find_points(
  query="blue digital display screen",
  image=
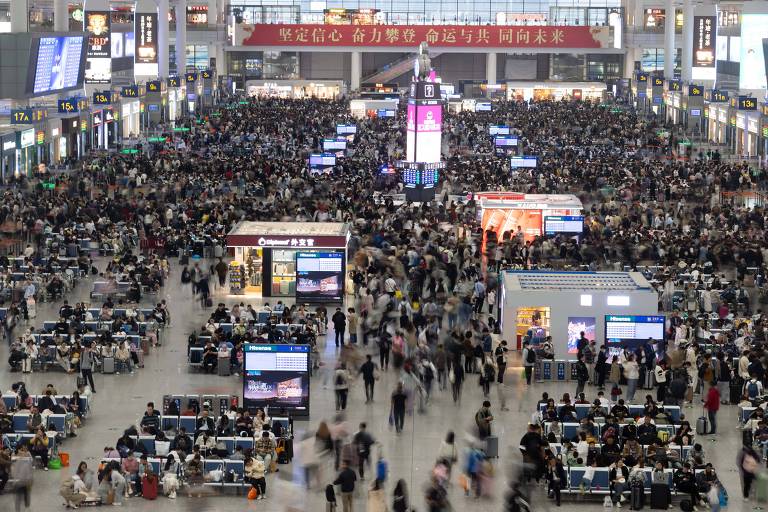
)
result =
(56, 64)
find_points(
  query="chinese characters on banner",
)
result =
(437, 36)
(704, 41)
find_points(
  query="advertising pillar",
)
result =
(669, 40)
(356, 67)
(98, 27)
(145, 59)
(181, 37)
(162, 36)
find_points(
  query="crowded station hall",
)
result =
(383, 257)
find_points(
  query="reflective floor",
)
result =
(121, 399)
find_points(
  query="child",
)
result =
(586, 480)
(330, 498)
(615, 393)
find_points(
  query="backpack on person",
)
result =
(530, 357)
(752, 389)
(339, 379)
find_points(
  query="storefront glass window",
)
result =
(652, 59)
(281, 65)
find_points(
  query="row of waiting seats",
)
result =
(682, 451)
(236, 467)
(601, 483)
(570, 430)
(635, 411)
(11, 402)
(96, 327)
(148, 444)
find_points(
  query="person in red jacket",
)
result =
(712, 404)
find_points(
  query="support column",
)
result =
(19, 16)
(60, 16)
(669, 40)
(490, 68)
(181, 37)
(213, 12)
(687, 61)
(162, 37)
(357, 71)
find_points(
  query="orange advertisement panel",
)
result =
(438, 36)
(502, 220)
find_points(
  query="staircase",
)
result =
(393, 70)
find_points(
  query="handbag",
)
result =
(216, 475)
(162, 448)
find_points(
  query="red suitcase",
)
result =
(149, 487)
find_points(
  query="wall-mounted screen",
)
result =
(632, 331)
(276, 376)
(577, 325)
(528, 161)
(754, 29)
(319, 276)
(55, 64)
(554, 224)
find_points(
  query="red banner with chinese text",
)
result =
(438, 36)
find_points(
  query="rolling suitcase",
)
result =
(734, 396)
(637, 497)
(108, 365)
(702, 426)
(209, 302)
(149, 487)
(492, 447)
(660, 496)
(223, 367)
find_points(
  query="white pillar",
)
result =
(60, 16)
(19, 16)
(629, 63)
(162, 38)
(213, 12)
(669, 40)
(181, 36)
(357, 71)
(687, 60)
(490, 68)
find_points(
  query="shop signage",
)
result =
(197, 14)
(173, 81)
(437, 36)
(108, 116)
(97, 119)
(695, 90)
(747, 103)
(102, 98)
(752, 125)
(27, 138)
(286, 241)
(130, 91)
(21, 116)
(153, 86)
(11, 144)
(765, 131)
(40, 137)
(83, 125)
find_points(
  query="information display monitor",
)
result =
(554, 224)
(505, 145)
(498, 129)
(632, 331)
(276, 376)
(525, 161)
(55, 64)
(321, 162)
(319, 276)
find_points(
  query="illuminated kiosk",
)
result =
(616, 308)
(420, 171)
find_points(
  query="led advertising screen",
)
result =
(321, 162)
(483, 106)
(554, 224)
(577, 325)
(117, 45)
(276, 376)
(56, 64)
(754, 29)
(145, 58)
(704, 41)
(527, 161)
(385, 113)
(319, 276)
(632, 331)
(502, 220)
(505, 145)
(424, 131)
(98, 68)
(498, 130)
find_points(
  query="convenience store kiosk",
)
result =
(563, 304)
(509, 212)
(306, 260)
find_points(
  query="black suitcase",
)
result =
(660, 496)
(209, 302)
(734, 396)
(746, 438)
(184, 259)
(637, 497)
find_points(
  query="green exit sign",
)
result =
(181, 129)
(156, 139)
(129, 151)
(49, 186)
(242, 102)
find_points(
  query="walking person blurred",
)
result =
(22, 473)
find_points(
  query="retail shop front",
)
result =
(305, 260)
(546, 91)
(325, 89)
